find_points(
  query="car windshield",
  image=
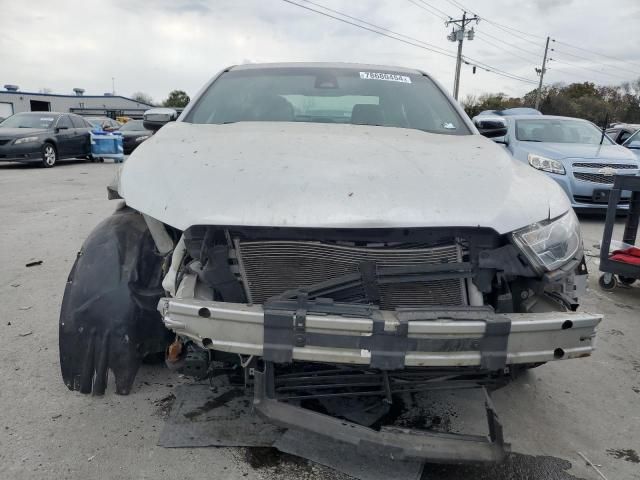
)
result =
(559, 131)
(132, 126)
(360, 96)
(28, 120)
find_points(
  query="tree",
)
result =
(142, 98)
(177, 99)
(618, 103)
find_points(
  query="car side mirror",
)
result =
(156, 118)
(493, 132)
(62, 127)
(491, 127)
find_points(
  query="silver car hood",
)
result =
(331, 175)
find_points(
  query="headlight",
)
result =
(545, 164)
(25, 140)
(550, 244)
(141, 139)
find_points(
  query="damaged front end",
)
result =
(355, 313)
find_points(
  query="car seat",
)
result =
(367, 114)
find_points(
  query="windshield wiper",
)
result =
(604, 127)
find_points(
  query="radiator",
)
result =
(269, 268)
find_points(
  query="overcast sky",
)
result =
(155, 46)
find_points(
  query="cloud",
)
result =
(546, 5)
(160, 45)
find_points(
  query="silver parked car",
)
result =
(573, 152)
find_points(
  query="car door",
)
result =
(82, 141)
(64, 133)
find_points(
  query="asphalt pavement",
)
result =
(549, 415)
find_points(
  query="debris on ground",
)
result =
(34, 263)
(164, 405)
(26, 334)
(14, 285)
(591, 464)
(627, 455)
(28, 307)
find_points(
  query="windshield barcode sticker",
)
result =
(390, 77)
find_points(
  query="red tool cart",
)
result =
(621, 265)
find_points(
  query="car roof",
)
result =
(354, 66)
(543, 117)
(625, 125)
(42, 113)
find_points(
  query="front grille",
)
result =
(590, 200)
(270, 268)
(595, 177)
(605, 165)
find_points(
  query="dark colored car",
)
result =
(44, 137)
(133, 134)
(105, 123)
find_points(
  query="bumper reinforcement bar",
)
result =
(338, 333)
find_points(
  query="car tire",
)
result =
(49, 155)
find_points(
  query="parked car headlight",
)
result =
(546, 164)
(551, 243)
(142, 139)
(25, 140)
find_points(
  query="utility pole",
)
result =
(541, 72)
(113, 85)
(458, 36)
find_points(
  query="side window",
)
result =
(63, 122)
(77, 122)
(624, 135)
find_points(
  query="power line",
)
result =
(596, 53)
(506, 28)
(529, 52)
(414, 42)
(564, 62)
(443, 52)
(484, 66)
(435, 8)
(441, 17)
(521, 34)
(412, 39)
(528, 60)
(563, 52)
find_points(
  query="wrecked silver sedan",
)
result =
(336, 231)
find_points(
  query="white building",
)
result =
(12, 100)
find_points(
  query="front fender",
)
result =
(108, 319)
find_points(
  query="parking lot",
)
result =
(46, 431)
